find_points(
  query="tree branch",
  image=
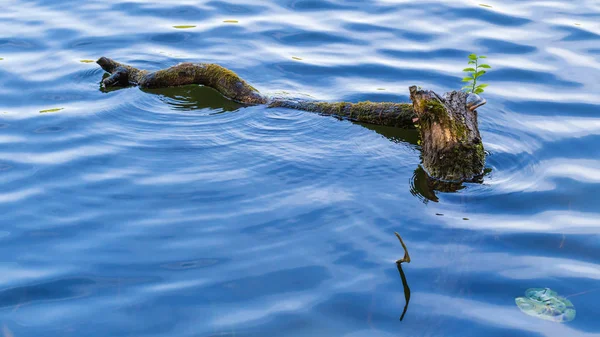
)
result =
(451, 144)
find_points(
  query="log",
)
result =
(389, 114)
(225, 81)
(230, 85)
(451, 144)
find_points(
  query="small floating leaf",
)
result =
(230, 21)
(484, 5)
(296, 58)
(546, 304)
(578, 24)
(1, 58)
(184, 27)
(87, 61)
(439, 214)
(465, 219)
(51, 110)
(380, 88)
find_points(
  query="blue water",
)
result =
(178, 213)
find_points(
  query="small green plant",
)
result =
(474, 74)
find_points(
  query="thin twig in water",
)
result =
(406, 259)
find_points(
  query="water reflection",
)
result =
(188, 97)
(193, 97)
(406, 289)
(424, 187)
(396, 135)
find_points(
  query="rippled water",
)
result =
(178, 213)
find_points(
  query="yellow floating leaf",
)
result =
(380, 88)
(87, 61)
(577, 24)
(296, 58)
(484, 5)
(231, 21)
(51, 110)
(184, 27)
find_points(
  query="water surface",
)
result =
(176, 212)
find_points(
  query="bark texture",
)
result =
(451, 145)
(390, 114)
(230, 85)
(225, 81)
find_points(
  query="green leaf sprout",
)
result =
(475, 71)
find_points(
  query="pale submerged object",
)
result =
(546, 304)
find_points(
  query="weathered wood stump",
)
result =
(451, 144)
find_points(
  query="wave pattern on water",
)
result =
(176, 212)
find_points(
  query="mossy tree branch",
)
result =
(225, 81)
(230, 85)
(390, 114)
(451, 144)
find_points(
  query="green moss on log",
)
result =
(438, 113)
(458, 163)
(225, 81)
(390, 114)
(451, 144)
(230, 85)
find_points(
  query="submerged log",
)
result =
(451, 144)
